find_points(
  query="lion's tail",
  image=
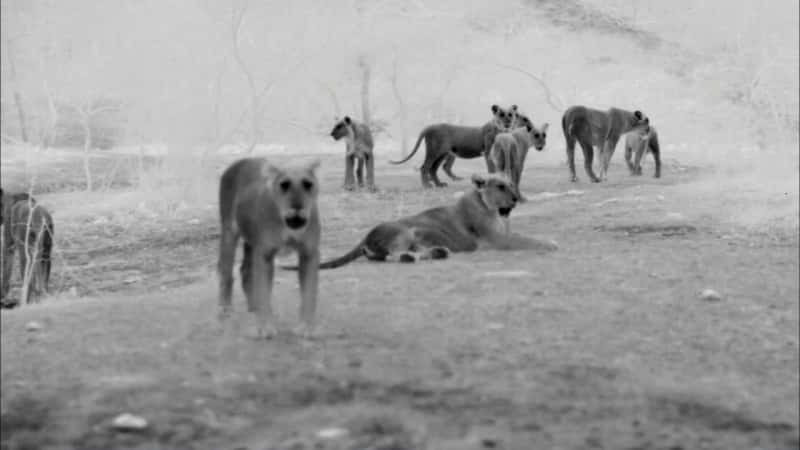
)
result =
(350, 256)
(416, 147)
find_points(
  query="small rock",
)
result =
(132, 279)
(710, 295)
(73, 291)
(507, 274)
(33, 326)
(332, 433)
(129, 422)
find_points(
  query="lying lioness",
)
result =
(434, 233)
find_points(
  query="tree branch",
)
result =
(552, 99)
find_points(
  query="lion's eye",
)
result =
(307, 185)
(501, 187)
(536, 135)
(544, 135)
(285, 185)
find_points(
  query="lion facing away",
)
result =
(593, 127)
(272, 210)
(444, 141)
(28, 231)
(638, 143)
(358, 151)
(510, 149)
(471, 222)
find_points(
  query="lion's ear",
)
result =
(478, 181)
(544, 127)
(313, 165)
(495, 108)
(513, 107)
(269, 171)
(347, 120)
(638, 114)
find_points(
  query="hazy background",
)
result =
(719, 77)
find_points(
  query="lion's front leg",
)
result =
(259, 294)
(308, 276)
(349, 176)
(370, 171)
(360, 171)
(605, 157)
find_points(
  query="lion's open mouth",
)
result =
(504, 212)
(295, 222)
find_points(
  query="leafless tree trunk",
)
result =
(401, 106)
(87, 112)
(87, 144)
(12, 75)
(48, 134)
(365, 80)
(217, 131)
(237, 16)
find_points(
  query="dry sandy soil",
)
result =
(602, 344)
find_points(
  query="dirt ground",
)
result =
(602, 344)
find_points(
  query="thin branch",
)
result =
(551, 97)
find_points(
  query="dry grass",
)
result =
(579, 349)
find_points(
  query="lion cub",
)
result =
(638, 143)
(358, 151)
(273, 210)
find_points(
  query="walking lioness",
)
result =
(273, 210)
(592, 127)
(444, 141)
(432, 234)
(509, 151)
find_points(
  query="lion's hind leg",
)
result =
(423, 253)
(360, 171)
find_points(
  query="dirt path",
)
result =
(603, 344)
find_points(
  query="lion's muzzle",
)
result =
(295, 221)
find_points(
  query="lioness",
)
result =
(510, 149)
(358, 145)
(512, 120)
(434, 233)
(272, 209)
(27, 229)
(641, 142)
(592, 127)
(444, 140)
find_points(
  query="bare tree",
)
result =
(401, 106)
(552, 98)
(12, 75)
(237, 16)
(87, 111)
(364, 65)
